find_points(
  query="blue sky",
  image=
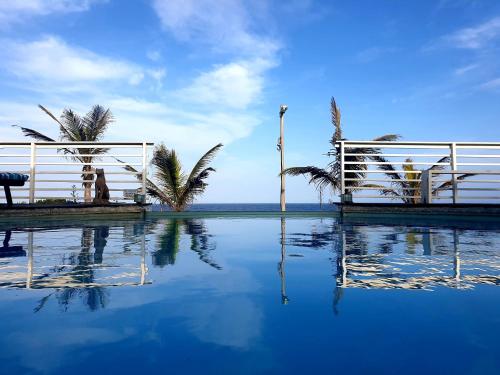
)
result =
(194, 73)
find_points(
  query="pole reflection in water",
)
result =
(281, 264)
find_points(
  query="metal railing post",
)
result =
(453, 159)
(32, 173)
(342, 177)
(144, 166)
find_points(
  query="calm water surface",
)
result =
(250, 295)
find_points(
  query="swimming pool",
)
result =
(250, 294)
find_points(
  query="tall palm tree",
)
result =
(330, 176)
(74, 128)
(406, 186)
(175, 188)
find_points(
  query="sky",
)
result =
(194, 73)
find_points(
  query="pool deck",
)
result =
(52, 211)
(456, 210)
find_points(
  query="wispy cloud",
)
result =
(473, 38)
(50, 60)
(465, 69)
(493, 84)
(225, 25)
(12, 11)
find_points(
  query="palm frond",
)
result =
(96, 122)
(336, 121)
(448, 184)
(387, 138)
(437, 166)
(168, 171)
(318, 176)
(204, 161)
(34, 134)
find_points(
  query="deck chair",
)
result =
(11, 179)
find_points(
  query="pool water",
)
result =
(250, 295)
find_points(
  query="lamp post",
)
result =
(281, 148)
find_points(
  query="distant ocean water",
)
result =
(254, 207)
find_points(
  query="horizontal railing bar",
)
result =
(480, 164)
(75, 143)
(380, 172)
(380, 188)
(479, 156)
(88, 155)
(464, 172)
(385, 197)
(89, 163)
(386, 146)
(382, 180)
(390, 163)
(474, 181)
(81, 146)
(465, 197)
(15, 156)
(401, 143)
(79, 181)
(67, 189)
(478, 189)
(400, 155)
(80, 172)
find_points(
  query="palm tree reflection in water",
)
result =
(170, 240)
(82, 272)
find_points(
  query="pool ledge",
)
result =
(464, 210)
(70, 210)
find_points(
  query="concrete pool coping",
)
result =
(435, 209)
(52, 211)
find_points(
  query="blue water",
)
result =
(250, 295)
(254, 207)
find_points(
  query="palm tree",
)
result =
(74, 128)
(176, 189)
(330, 176)
(406, 186)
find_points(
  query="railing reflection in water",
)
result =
(83, 260)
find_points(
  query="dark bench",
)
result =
(11, 179)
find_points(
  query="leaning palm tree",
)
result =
(406, 186)
(175, 188)
(74, 128)
(330, 176)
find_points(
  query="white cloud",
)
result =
(16, 10)
(464, 69)
(236, 85)
(493, 84)
(52, 60)
(224, 24)
(474, 37)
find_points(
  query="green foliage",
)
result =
(175, 188)
(330, 176)
(74, 128)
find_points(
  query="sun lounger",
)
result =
(11, 179)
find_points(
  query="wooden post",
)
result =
(32, 173)
(144, 166)
(453, 158)
(282, 153)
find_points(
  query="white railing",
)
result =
(55, 174)
(420, 172)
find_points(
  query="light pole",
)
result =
(281, 148)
